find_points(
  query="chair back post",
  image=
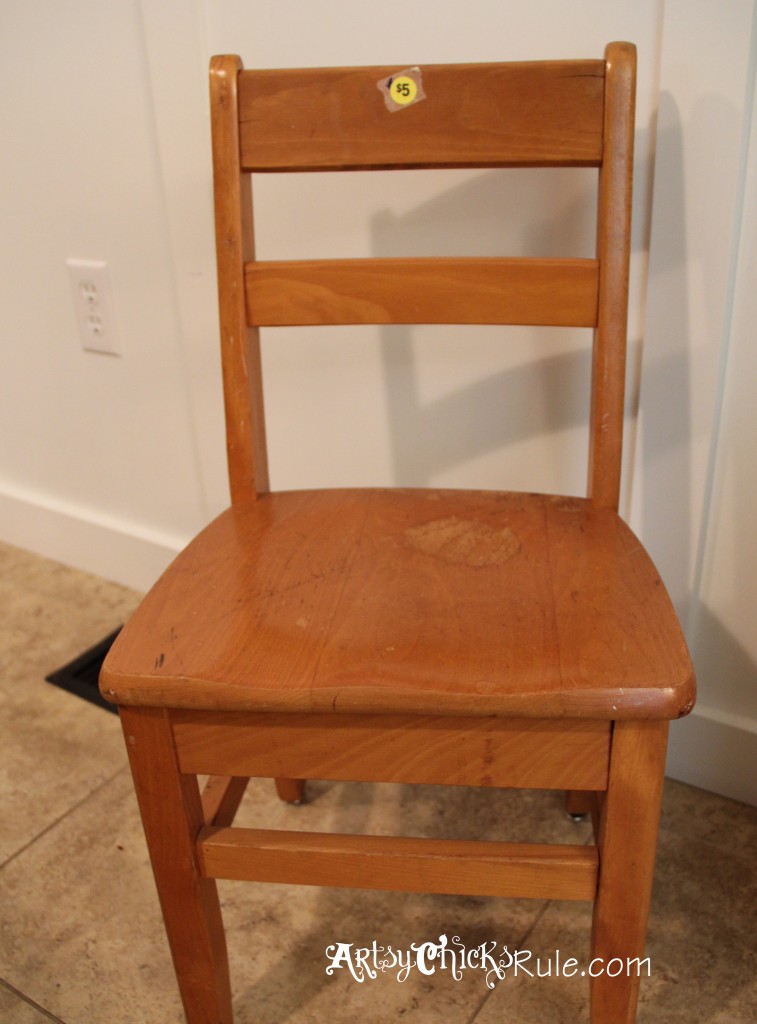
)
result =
(235, 155)
(613, 253)
(240, 343)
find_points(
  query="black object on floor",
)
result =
(80, 675)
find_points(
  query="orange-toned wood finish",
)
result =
(431, 602)
(426, 636)
(539, 754)
(423, 291)
(172, 817)
(291, 791)
(628, 825)
(240, 344)
(614, 252)
(496, 115)
(221, 798)
(401, 864)
(578, 802)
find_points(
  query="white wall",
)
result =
(112, 463)
(98, 455)
(692, 510)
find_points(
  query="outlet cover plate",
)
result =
(93, 304)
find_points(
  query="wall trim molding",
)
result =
(85, 539)
(716, 751)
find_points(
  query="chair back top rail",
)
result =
(473, 115)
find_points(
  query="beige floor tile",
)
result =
(702, 931)
(531, 993)
(56, 747)
(11, 556)
(84, 937)
(27, 571)
(701, 942)
(82, 934)
(14, 1010)
(698, 814)
(51, 615)
(56, 750)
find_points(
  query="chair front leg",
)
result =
(172, 818)
(628, 831)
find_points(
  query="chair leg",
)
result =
(577, 803)
(627, 846)
(172, 817)
(291, 791)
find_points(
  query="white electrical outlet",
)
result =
(93, 302)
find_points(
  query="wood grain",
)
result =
(548, 754)
(614, 253)
(401, 864)
(537, 114)
(417, 291)
(428, 602)
(221, 798)
(172, 818)
(628, 826)
(291, 791)
(240, 344)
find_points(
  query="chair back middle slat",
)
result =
(543, 292)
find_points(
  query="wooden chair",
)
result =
(433, 636)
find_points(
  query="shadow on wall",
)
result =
(538, 390)
(534, 391)
(666, 454)
(715, 747)
(727, 671)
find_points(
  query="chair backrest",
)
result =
(541, 114)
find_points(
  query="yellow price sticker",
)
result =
(403, 90)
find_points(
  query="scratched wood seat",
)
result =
(431, 636)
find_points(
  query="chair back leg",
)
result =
(291, 791)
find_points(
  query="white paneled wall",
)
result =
(112, 463)
(98, 460)
(690, 507)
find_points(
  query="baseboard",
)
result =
(104, 546)
(717, 751)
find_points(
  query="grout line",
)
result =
(519, 945)
(59, 819)
(479, 1007)
(539, 915)
(30, 1002)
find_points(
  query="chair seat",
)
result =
(425, 601)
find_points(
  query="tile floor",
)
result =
(81, 938)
